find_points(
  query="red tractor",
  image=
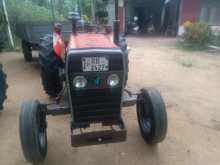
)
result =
(89, 73)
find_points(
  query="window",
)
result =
(210, 12)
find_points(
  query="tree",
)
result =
(44, 3)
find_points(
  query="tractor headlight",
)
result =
(113, 80)
(79, 82)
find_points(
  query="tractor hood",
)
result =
(91, 41)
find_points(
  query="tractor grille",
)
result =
(95, 105)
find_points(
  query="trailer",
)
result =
(31, 35)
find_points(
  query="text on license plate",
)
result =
(95, 64)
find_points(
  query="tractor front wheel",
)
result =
(152, 116)
(33, 133)
(27, 51)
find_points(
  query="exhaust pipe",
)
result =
(74, 17)
(116, 31)
(116, 25)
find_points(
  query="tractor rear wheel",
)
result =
(152, 116)
(33, 133)
(51, 82)
(27, 51)
(3, 87)
(50, 65)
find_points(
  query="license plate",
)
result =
(95, 64)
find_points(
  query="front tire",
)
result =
(33, 133)
(3, 87)
(27, 51)
(152, 116)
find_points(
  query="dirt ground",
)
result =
(188, 81)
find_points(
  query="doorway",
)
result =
(154, 17)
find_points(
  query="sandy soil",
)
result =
(188, 81)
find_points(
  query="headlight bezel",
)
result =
(113, 80)
(77, 79)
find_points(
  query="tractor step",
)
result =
(115, 134)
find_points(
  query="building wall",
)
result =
(200, 10)
(189, 11)
(210, 12)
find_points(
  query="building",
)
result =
(207, 11)
(168, 15)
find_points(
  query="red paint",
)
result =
(190, 10)
(58, 44)
(90, 40)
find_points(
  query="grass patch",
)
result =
(187, 63)
(190, 47)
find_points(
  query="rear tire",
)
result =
(3, 87)
(27, 51)
(51, 82)
(50, 65)
(33, 133)
(152, 116)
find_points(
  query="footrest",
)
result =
(80, 138)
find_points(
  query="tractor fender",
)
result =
(58, 45)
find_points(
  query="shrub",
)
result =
(197, 35)
(3, 34)
(27, 12)
(103, 16)
(1, 44)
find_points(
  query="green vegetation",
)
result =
(29, 12)
(47, 11)
(188, 63)
(197, 36)
(2, 29)
(37, 11)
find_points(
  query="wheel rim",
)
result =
(145, 117)
(42, 135)
(42, 139)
